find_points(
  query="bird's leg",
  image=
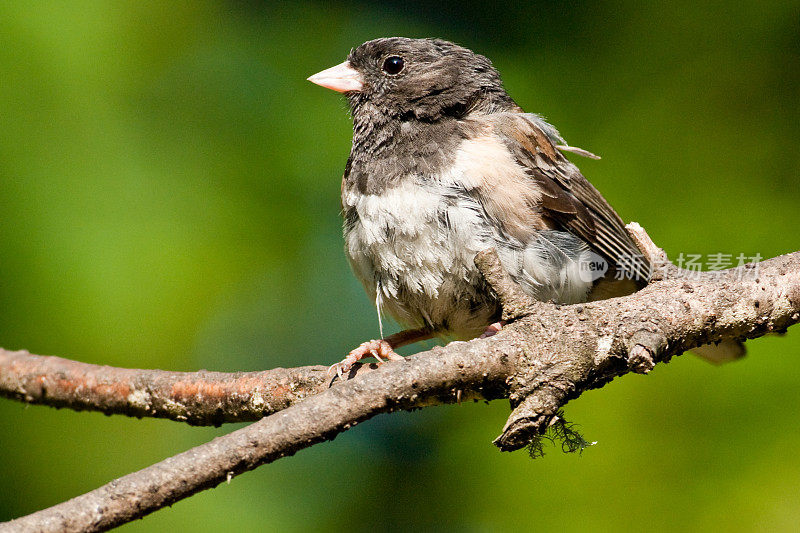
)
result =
(492, 329)
(380, 349)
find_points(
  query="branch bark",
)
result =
(198, 398)
(547, 356)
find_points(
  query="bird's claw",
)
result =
(493, 329)
(379, 349)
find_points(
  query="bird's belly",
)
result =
(413, 249)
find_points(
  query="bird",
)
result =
(445, 164)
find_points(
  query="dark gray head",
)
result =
(423, 79)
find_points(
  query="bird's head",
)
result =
(422, 79)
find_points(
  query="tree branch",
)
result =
(434, 378)
(199, 398)
(547, 356)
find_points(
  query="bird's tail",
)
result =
(725, 351)
(722, 352)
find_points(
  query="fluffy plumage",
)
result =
(445, 164)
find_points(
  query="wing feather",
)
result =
(567, 197)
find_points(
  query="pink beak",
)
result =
(342, 78)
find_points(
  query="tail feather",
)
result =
(609, 286)
(725, 351)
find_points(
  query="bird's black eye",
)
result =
(393, 65)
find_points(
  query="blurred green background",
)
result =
(169, 194)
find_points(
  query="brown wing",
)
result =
(567, 197)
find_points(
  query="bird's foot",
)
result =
(492, 329)
(379, 349)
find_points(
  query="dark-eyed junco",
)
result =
(444, 164)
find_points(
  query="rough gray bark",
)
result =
(198, 398)
(547, 356)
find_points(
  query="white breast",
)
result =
(413, 247)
